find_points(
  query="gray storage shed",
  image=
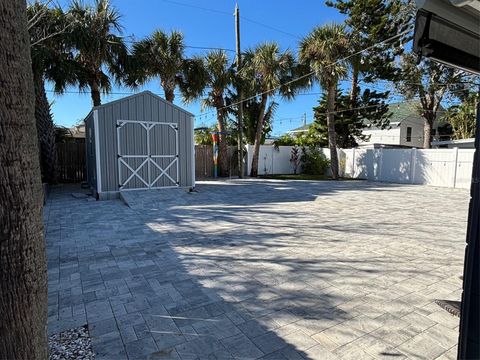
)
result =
(139, 142)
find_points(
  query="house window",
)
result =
(409, 134)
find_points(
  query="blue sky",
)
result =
(212, 29)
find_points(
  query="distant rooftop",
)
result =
(301, 129)
(405, 110)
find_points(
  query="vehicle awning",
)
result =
(446, 42)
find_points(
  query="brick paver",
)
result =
(260, 269)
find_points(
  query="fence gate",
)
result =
(71, 162)
(147, 155)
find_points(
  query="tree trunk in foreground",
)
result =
(332, 136)
(23, 277)
(45, 132)
(427, 133)
(258, 137)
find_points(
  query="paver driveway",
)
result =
(251, 269)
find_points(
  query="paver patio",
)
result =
(260, 269)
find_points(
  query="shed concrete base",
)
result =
(108, 195)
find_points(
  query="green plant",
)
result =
(295, 158)
(314, 161)
(284, 140)
(462, 118)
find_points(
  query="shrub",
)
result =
(295, 158)
(284, 140)
(314, 161)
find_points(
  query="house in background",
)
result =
(405, 130)
(450, 144)
(78, 132)
(300, 130)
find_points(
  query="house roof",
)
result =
(402, 111)
(299, 129)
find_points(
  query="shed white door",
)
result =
(147, 155)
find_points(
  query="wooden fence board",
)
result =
(71, 162)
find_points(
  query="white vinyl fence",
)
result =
(436, 167)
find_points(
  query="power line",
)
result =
(271, 28)
(209, 48)
(196, 7)
(132, 40)
(228, 14)
(109, 93)
(313, 72)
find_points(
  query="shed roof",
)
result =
(142, 93)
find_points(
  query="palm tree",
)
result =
(265, 69)
(216, 75)
(23, 275)
(251, 114)
(323, 50)
(51, 60)
(159, 55)
(98, 45)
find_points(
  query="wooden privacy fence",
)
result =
(204, 161)
(71, 162)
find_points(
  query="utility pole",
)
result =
(240, 94)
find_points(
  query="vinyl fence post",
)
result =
(380, 165)
(455, 167)
(353, 163)
(413, 165)
(273, 150)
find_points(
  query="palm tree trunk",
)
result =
(169, 95)
(332, 137)
(95, 92)
(45, 132)
(222, 145)
(23, 275)
(258, 136)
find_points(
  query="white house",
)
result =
(450, 144)
(405, 130)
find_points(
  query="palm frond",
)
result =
(323, 50)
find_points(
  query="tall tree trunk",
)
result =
(427, 133)
(222, 145)
(45, 132)
(332, 137)
(95, 92)
(354, 86)
(258, 136)
(23, 276)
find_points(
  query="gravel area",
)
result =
(71, 344)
